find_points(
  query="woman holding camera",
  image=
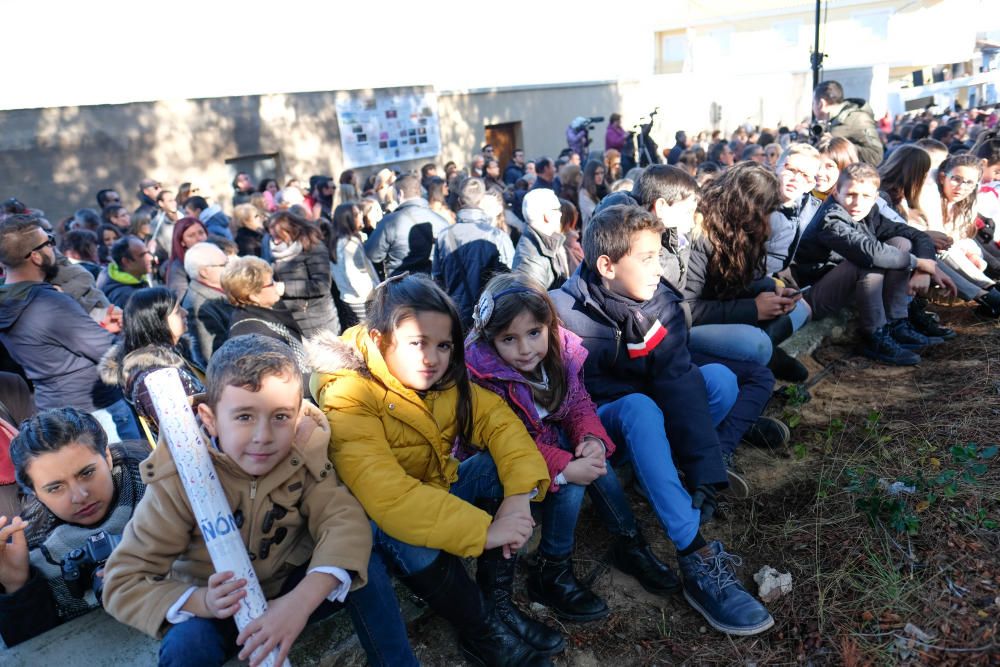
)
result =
(79, 491)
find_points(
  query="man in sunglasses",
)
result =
(50, 335)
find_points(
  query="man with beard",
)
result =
(50, 335)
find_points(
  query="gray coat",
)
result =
(404, 239)
(543, 259)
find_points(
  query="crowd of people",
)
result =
(397, 375)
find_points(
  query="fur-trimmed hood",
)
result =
(326, 352)
(116, 369)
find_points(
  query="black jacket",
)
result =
(276, 322)
(248, 242)
(703, 299)
(833, 237)
(118, 293)
(404, 239)
(667, 375)
(208, 315)
(307, 281)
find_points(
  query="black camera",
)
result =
(80, 565)
(816, 131)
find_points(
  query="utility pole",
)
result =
(816, 58)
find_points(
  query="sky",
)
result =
(112, 51)
(68, 53)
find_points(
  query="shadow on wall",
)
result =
(56, 159)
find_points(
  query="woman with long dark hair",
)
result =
(353, 272)
(728, 290)
(592, 190)
(302, 262)
(154, 324)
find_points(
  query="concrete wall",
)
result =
(57, 158)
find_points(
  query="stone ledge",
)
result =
(105, 642)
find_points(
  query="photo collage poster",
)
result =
(381, 127)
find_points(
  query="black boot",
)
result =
(551, 582)
(495, 576)
(786, 367)
(632, 555)
(484, 638)
(926, 322)
(989, 304)
(783, 365)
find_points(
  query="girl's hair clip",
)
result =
(487, 303)
(395, 278)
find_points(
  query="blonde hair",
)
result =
(244, 277)
(243, 214)
(798, 149)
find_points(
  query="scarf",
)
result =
(115, 273)
(642, 333)
(281, 252)
(542, 391)
(50, 540)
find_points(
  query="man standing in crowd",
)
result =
(149, 188)
(50, 335)
(404, 239)
(515, 169)
(131, 264)
(545, 170)
(107, 197)
(850, 118)
(208, 311)
(471, 251)
(682, 145)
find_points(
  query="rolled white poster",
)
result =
(204, 492)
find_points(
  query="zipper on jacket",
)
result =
(253, 489)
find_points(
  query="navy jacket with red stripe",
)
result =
(666, 374)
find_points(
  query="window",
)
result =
(267, 165)
(672, 48)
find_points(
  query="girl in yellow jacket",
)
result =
(399, 400)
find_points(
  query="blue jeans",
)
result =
(636, 425)
(561, 509)
(477, 480)
(755, 382)
(125, 422)
(731, 341)
(374, 612)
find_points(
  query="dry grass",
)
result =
(858, 581)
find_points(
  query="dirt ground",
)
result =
(881, 575)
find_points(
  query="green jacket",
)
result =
(856, 122)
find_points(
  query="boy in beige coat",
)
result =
(308, 538)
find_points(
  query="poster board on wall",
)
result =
(381, 126)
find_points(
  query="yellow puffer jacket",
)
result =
(392, 448)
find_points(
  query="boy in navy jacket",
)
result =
(652, 400)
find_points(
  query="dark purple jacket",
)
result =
(577, 415)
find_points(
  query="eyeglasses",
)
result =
(795, 173)
(960, 182)
(49, 241)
